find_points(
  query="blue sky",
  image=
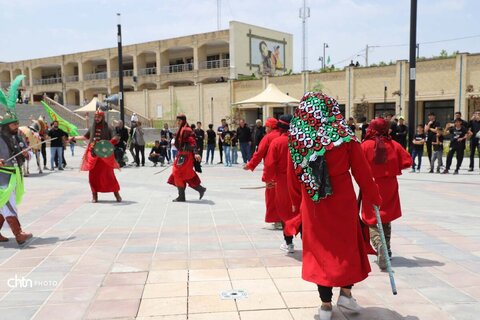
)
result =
(34, 28)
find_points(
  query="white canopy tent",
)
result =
(271, 96)
(89, 107)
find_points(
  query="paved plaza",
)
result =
(149, 258)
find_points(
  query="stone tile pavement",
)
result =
(149, 258)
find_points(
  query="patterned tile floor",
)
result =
(149, 258)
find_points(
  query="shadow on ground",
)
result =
(402, 262)
(370, 313)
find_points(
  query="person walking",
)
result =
(386, 158)
(182, 172)
(325, 155)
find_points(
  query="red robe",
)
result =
(100, 171)
(271, 214)
(334, 250)
(275, 170)
(386, 178)
(184, 174)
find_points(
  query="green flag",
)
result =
(63, 124)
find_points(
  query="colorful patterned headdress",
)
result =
(9, 102)
(317, 127)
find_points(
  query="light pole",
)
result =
(412, 73)
(325, 45)
(120, 70)
(304, 14)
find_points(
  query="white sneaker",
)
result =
(348, 304)
(290, 248)
(324, 314)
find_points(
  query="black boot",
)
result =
(181, 195)
(201, 190)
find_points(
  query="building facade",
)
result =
(205, 58)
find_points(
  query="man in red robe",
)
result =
(386, 158)
(100, 170)
(275, 169)
(271, 214)
(183, 173)
(325, 155)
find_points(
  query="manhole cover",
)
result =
(233, 294)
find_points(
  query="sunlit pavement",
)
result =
(149, 258)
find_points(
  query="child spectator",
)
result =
(417, 150)
(437, 150)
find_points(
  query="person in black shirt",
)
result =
(351, 124)
(393, 126)
(210, 143)
(258, 133)
(431, 132)
(220, 144)
(56, 145)
(244, 135)
(417, 150)
(200, 138)
(458, 115)
(226, 139)
(156, 154)
(437, 150)
(234, 149)
(473, 131)
(457, 144)
(402, 132)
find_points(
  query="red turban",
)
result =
(271, 122)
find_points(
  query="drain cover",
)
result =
(233, 294)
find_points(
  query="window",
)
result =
(382, 109)
(444, 110)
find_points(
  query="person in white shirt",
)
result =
(173, 148)
(134, 118)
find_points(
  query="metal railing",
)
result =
(126, 73)
(71, 78)
(215, 64)
(65, 113)
(177, 68)
(47, 81)
(147, 71)
(95, 76)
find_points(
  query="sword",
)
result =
(167, 167)
(253, 188)
(385, 251)
(29, 148)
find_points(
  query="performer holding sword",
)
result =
(11, 159)
(326, 154)
(99, 159)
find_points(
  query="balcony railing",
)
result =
(215, 64)
(126, 73)
(47, 81)
(71, 78)
(95, 76)
(177, 68)
(147, 71)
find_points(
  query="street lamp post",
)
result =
(412, 73)
(120, 70)
(325, 45)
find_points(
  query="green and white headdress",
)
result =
(9, 101)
